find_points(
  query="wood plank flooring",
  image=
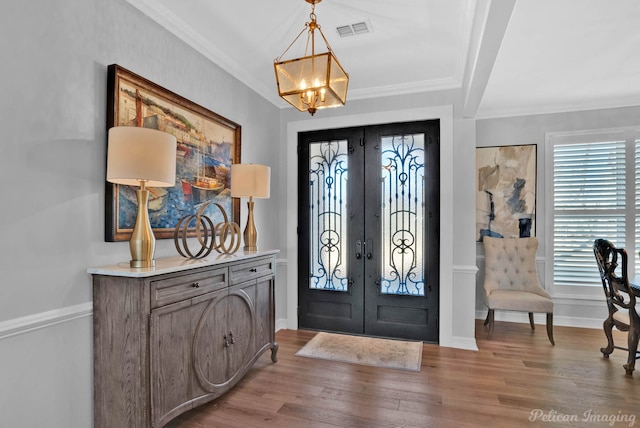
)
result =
(512, 376)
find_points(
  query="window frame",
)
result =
(631, 137)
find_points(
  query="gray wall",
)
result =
(52, 169)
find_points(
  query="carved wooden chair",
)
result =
(511, 280)
(621, 301)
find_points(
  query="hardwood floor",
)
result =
(512, 376)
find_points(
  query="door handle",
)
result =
(358, 249)
(370, 246)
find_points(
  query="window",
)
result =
(595, 193)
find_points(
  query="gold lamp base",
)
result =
(142, 243)
(250, 232)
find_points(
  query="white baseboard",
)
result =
(522, 317)
(281, 324)
(29, 323)
(464, 343)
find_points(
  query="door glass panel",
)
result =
(401, 214)
(328, 168)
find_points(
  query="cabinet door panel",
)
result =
(171, 334)
(210, 356)
(240, 324)
(264, 314)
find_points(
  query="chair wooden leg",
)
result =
(533, 325)
(607, 326)
(489, 321)
(550, 328)
(634, 334)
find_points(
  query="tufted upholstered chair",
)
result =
(621, 301)
(511, 280)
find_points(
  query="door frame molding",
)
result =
(445, 115)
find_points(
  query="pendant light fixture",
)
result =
(313, 81)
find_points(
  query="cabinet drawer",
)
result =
(174, 289)
(251, 270)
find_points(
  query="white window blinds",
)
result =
(590, 201)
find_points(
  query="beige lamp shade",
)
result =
(250, 180)
(141, 154)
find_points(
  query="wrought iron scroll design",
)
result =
(328, 168)
(402, 215)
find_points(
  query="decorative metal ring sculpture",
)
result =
(210, 237)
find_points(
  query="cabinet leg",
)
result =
(274, 352)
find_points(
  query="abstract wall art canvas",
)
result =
(506, 191)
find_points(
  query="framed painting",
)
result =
(208, 144)
(506, 191)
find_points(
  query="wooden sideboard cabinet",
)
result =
(169, 338)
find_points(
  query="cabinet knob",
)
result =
(253, 270)
(196, 285)
(232, 340)
(226, 341)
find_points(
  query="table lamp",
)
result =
(250, 181)
(147, 158)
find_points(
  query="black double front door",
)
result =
(369, 230)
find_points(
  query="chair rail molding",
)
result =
(465, 269)
(26, 324)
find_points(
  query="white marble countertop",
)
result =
(176, 264)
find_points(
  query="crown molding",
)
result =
(405, 88)
(532, 110)
(171, 22)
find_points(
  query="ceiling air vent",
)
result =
(345, 31)
(360, 28)
(353, 29)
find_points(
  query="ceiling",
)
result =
(510, 57)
